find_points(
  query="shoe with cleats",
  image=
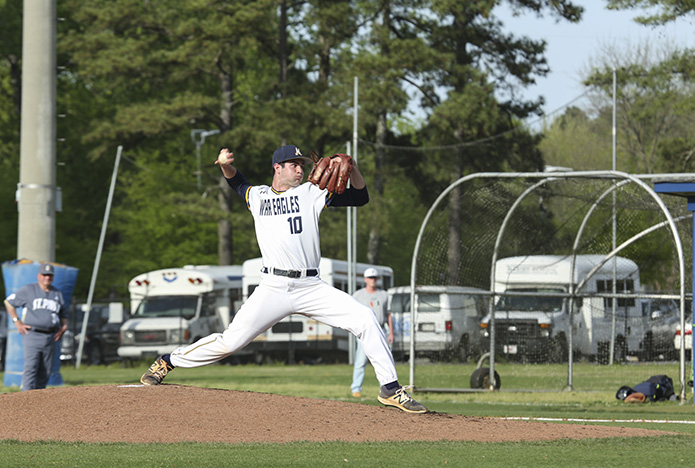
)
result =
(402, 401)
(156, 373)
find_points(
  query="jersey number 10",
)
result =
(295, 224)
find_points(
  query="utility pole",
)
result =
(36, 191)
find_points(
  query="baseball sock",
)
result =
(390, 388)
(167, 358)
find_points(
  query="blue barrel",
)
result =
(17, 273)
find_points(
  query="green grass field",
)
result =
(594, 400)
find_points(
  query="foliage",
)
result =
(657, 12)
(655, 103)
(10, 92)
(654, 100)
(142, 75)
(577, 142)
(9, 173)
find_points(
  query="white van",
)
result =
(447, 324)
(177, 306)
(298, 337)
(536, 327)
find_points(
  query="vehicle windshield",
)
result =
(400, 303)
(426, 303)
(531, 303)
(168, 306)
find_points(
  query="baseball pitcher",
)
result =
(286, 216)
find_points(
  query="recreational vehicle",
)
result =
(298, 337)
(534, 323)
(177, 306)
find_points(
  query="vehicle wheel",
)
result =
(481, 378)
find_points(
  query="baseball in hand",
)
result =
(225, 157)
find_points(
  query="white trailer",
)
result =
(177, 306)
(298, 337)
(536, 325)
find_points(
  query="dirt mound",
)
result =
(175, 413)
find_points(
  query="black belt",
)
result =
(290, 273)
(45, 331)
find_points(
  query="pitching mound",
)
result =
(174, 413)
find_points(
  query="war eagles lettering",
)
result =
(279, 206)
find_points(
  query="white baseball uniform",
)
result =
(288, 236)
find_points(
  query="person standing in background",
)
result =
(42, 325)
(376, 299)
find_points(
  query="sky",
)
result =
(572, 47)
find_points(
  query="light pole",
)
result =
(198, 136)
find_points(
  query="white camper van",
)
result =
(448, 319)
(177, 306)
(536, 327)
(298, 337)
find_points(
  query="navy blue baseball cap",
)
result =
(287, 153)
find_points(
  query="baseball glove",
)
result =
(331, 173)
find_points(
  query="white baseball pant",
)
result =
(277, 297)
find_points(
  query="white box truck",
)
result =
(298, 337)
(535, 327)
(448, 319)
(177, 306)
